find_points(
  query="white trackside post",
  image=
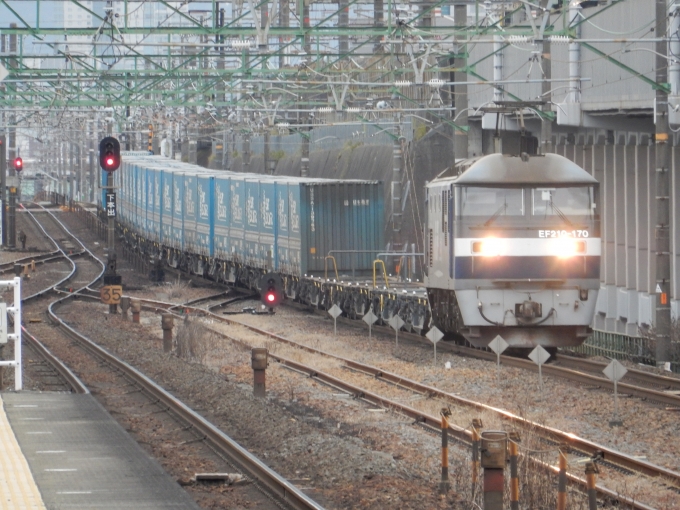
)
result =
(5, 335)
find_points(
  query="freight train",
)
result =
(512, 243)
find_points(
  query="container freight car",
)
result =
(207, 221)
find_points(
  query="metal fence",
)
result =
(638, 350)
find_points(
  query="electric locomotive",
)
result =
(513, 249)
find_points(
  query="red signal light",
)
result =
(109, 154)
(18, 164)
(271, 290)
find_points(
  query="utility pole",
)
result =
(265, 170)
(460, 138)
(546, 63)
(343, 22)
(284, 22)
(396, 188)
(662, 230)
(3, 188)
(246, 152)
(90, 174)
(304, 158)
(378, 22)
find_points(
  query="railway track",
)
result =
(631, 464)
(662, 383)
(660, 389)
(276, 487)
(551, 436)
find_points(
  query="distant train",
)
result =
(513, 249)
(512, 243)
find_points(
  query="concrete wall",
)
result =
(624, 164)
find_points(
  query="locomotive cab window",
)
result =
(491, 202)
(577, 201)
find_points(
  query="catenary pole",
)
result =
(662, 230)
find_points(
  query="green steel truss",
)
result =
(232, 57)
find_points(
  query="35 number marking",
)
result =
(111, 294)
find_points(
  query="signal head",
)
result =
(18, 164)
(109, 154)
(271, 289)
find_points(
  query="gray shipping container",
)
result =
(343, 219)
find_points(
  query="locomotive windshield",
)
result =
(493, 203)
(562, 202)
(477, 201)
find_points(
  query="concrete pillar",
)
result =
(167, 322)
(136, 307)
(259, 363)
(125, 306)
(494, 452)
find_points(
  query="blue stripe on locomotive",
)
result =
(513, 268)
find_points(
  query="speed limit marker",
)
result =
(111, 294)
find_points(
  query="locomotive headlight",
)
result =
(566, 247)
(489, 247)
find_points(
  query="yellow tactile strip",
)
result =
(18, 490)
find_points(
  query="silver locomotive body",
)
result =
(513, 249)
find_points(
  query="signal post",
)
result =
(109, 160)
(13, 188)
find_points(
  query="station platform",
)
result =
(64, 451)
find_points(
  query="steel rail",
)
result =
(587, 447)
(76, 384)
(556, 371)
(561, 372)
(597, 366)
(435, 423)
(72, 379)
(38, 259)
(272, 480)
